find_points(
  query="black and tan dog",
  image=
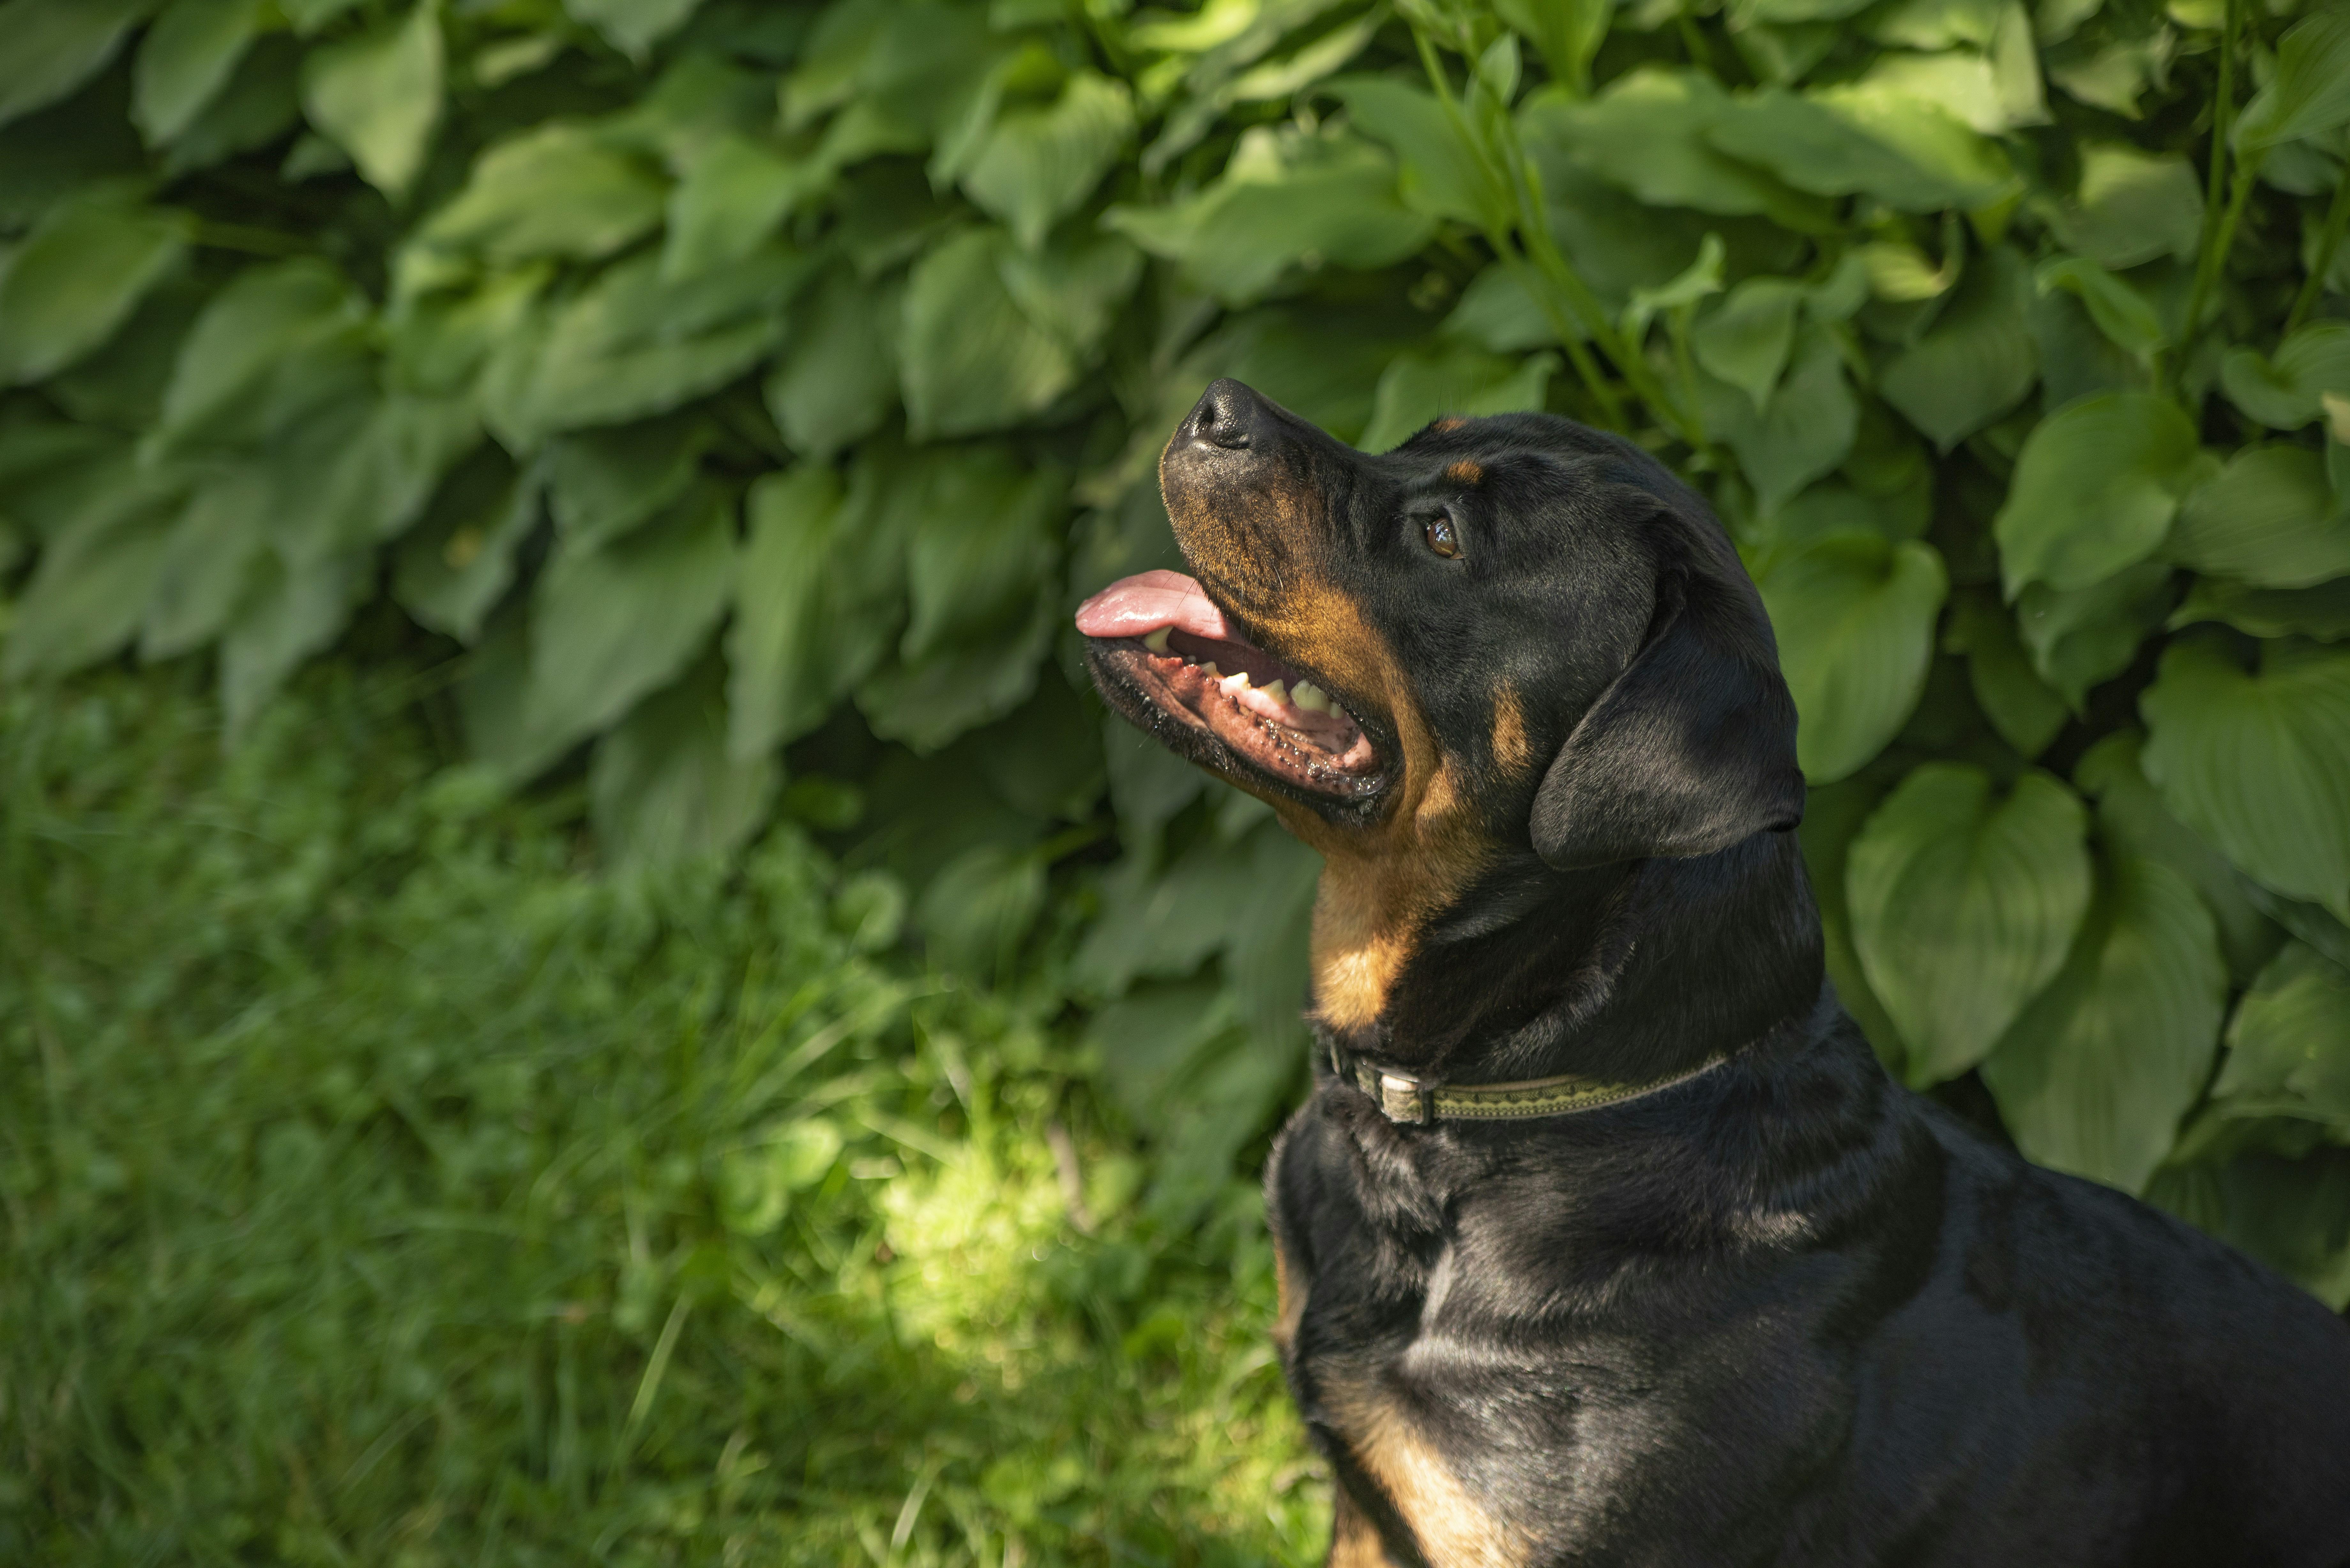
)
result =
(1604, 1237)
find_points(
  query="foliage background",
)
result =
(725, 402)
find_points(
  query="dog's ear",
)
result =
(1691, 749)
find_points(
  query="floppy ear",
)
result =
(1691, 749)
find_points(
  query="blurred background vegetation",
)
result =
(580, 976)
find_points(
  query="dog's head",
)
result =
(1509, 635)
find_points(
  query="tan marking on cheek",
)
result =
(1353, 1542)
(1512, 751)
(1465, 471)
(1290, 1292)
(1452, 1529)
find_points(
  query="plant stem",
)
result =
(2329, 241)
(2219, 230)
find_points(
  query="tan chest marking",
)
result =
(1453, 1530)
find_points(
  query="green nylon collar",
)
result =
(1420, 1102)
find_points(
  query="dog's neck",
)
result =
(1628, 972)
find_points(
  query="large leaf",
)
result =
(1854, 620)
(608, 626)
(839, 376)
(2095, 488)
(1442, 172)
(2309, 93)
(2321, 612)
(2132, 206)
(206, 561)
(2268, 519)
(602, 485)
(2259, 762)
(186, 57)
(2288, 391)
(1284, 200)
(778, 682)
(1038, 165)
(90, 589)
(1805, 431)
(1647, 132)
(2289, 1042)
(971, 358)
(54, 46)
(662, 787)
(1976, 362)
(634, 26)
(1964, 906)
(1900, 149)
(379, 96)
(2094, 1077)
(1746, 339)
(1420, 384)
(2008, 690)
(2080, 638)
(557, 189)
(291, 610)
(985, 538)
(76, 279)
(459, 561)
(734, 195)
(1567, 32)
(252, 332)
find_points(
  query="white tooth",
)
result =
(1157, 640)
(1278, 690)
(1311, 698)
(1236, 682)
(1209, 670)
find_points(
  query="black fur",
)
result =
(1787, 1312)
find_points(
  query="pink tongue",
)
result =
(1138, 605)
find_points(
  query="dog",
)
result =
(1604, 1237)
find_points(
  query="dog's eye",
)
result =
(1441, 537)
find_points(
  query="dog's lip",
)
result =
(1184, 656)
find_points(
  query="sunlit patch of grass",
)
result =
(381, 1184)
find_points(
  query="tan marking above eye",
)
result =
(1449, 423)
(1466, 471)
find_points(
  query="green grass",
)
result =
(381, 1184)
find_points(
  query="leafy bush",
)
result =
(376, 1187)
(727, 377)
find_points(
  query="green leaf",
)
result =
(1746, 339)
(2289, 1042)
(187, 57)
(2095, 488)
(2083, 637)
(1165, 925)
(1907, 154)
(1976, 362)
(2310, 94)
(557, 189)
(981, 905)
(634, 26)
(1647, 132)
(1287, 199)
(459, 561)
(76, 280)
(929, 702)
(250, 334)
(1567, 32)
(2258, 763)
(197, 586)
(2094, 1077)
(971, 359)
(1073, 290)
(1496, 313)
(290, 611)
(1441, 173)
(779, 681)
(2321, 612)
(54, 46)
(1854, 620)
(2269, 519)
(377, 96)
(95, 576)
(2132, 206)
(2132, 819)
(1420, 384)
(1804, 433)
(2018, 703)
(735, 194)
(663, 789)
(610, 625)
(1832, 816)
(1038, 165)
(2125, 316)
(985, 541)
(2288, 392)
(838, 376)
(1964, 906)
(601, 485)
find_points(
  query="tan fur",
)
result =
(1450, 1527)
(1353, 1542)
(1289, 1292)
(1450, 422)
(1465, 471)
(1512, 751)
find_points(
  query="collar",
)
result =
(1421, 1102)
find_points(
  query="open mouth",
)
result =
(1178, 652)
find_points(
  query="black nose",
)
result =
(1229, 415)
